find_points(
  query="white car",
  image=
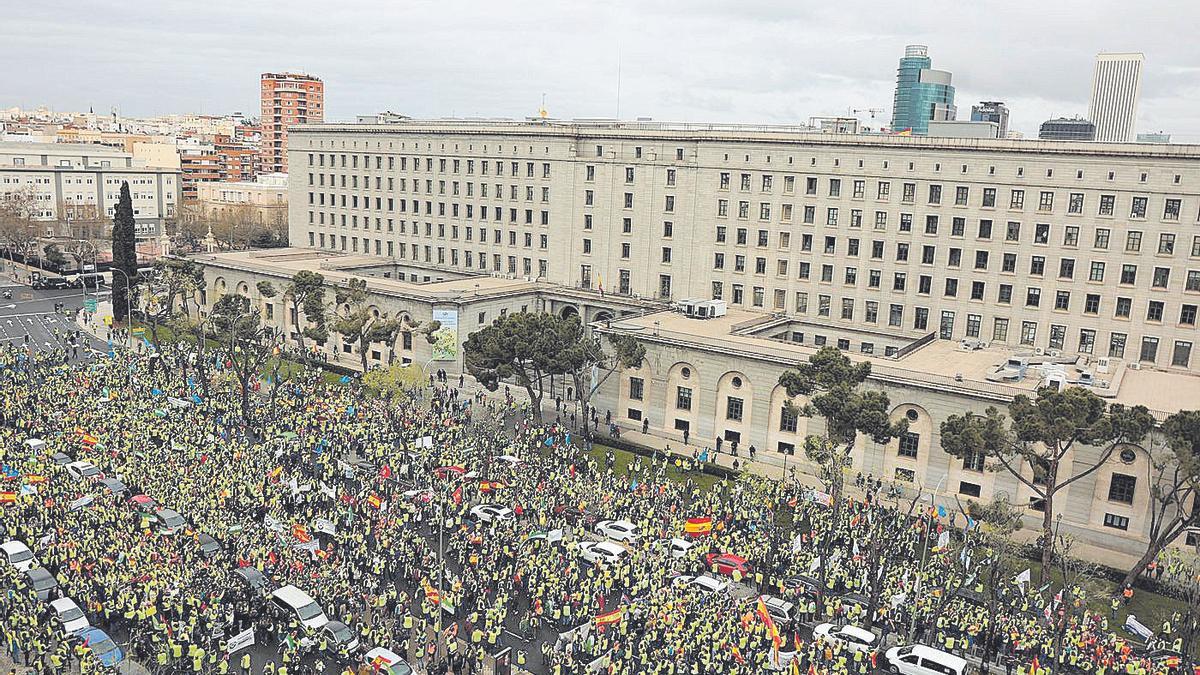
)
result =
(70, 616)
(389, 662)
(509, 459)
(619, 530)
(18, 555)
(490, 513)
(84, 470)
(602, 551)
(704, 583)
(923, 660)
(676, 547)
(852, 637)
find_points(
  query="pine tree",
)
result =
(124, 256)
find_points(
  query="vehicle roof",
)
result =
(771, 600)
(81, 463)
(167, 513)
(624, 522)
(948, 659)
(388, 655)
(610, 546)
(13, 546)
(730, 556)
(860, 633)
(39, 573)
(292, 596)
(63, 603)
(705, 580)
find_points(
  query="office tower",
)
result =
(287, 99)
(922, 94)
(1067, 129)
(1116, 86)
(992, 111)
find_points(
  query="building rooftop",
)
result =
(340, 268)
(744, 133)
(938, 364)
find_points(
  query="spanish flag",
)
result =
(698, 527)
(489, 485)
(88, 439)
(772, 629)
(300, 532)
(8, 497)
(275, 472)
(432, 594)
(614, 616)
(904, 132)
(374, 500)
(34, 479)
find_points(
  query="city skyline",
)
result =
(703, 62)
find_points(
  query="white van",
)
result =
(292, 601)
(35, 444)
(922, 660)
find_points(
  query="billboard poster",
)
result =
(445, 338)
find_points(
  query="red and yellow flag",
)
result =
(432, 594)
(301, 534)
(614, 616)
(376, 501)
(8, 497)
(698, 527)
(772, 629)
(34, 479)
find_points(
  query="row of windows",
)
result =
(453, 165)
(439, 255)
(1106, 205)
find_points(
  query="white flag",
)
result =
(1023, 578)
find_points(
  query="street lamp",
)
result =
(128, 311)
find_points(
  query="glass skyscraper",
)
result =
(922, 94)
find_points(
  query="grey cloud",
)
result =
(694, 60)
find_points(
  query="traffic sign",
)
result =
(90, 304)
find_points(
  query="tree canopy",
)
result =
(124, 256)
(528, 346)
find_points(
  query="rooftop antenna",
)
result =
(542, 111)
(618, 80)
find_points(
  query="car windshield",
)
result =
(342, 634)
(88, 471)
(103, 647)
(71, 613)
(309, 611)
(20, 556)
(42, 583)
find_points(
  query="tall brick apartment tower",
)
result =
(287, 99)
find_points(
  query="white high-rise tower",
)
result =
(1116, 87)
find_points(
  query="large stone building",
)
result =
(77, 184)
(966, 270)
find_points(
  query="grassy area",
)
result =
(623, 458)
(1150, 608)
(287, 370)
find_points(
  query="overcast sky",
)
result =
(753, 61)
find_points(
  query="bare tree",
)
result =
(18, 222)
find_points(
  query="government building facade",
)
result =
(967, 271)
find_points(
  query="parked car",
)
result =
(619, 530)
(782, 612)
(69, 616)
(923, 660)
(727, 563)
(255, 581)
(60, 459)
(51, 283)
(387, 662)
(84, 470)
(292, 603)
(168, 522)
(114, 485)
(676, 546)
(18, 555)
(489, 513)
(106, 651)
(43, 583)
(704, 583)
(602, 551)
(852, 637)
(342, 642)
(143, 503)
(209, 547)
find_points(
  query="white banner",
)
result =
(425, 442)
(944, 539)
(324, 526)
(81, 502)
(241, 640)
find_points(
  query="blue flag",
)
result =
(941, 511)
(345, 379)
(196, 398)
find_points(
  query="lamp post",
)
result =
(912, 622)
(128, 311)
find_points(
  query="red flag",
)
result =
(271, 558)
(385, 472)
(457, 495)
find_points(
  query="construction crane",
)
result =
(867, 110)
